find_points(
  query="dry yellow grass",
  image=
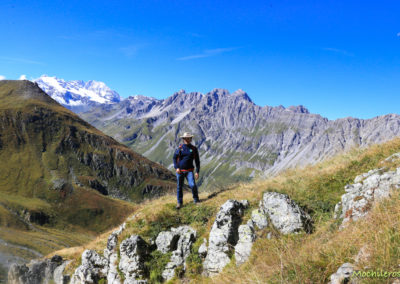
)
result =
(298, 258)
(313, 258)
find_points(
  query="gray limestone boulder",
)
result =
(243, 247)
(343, 275)
(223, 236)
(39, 271)
(58, 275)
(111, 254)
(167, 241)
(285, 214)
(93, 268)
(392, 158)
(186, 236)
(133, 252)
(368, 188)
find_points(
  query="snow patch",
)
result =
(77, 93)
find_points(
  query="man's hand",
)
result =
(178, 171)
(196, 175)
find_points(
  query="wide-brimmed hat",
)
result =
(186, 135)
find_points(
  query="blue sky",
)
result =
(337, 58)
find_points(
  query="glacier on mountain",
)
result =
(77, 95)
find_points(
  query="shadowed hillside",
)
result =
(61, 180)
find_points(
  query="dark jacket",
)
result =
(184, 156)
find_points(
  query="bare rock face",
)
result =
(368, 188)
(93, 268)
(178, 241)
(245, 243)
(111, 254)
(223, 236)
(284, 213)
(277, 137)
(167, 241)
(39, 271)
(133, 251)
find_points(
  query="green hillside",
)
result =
(62, 181)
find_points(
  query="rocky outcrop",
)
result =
(178, 241)
(277, 137)
(167, 241)
(227, 237)
(368, 188)
(39, 271)
(343, 275)
(223, 236)
(133, 252)
(246, 239)
(285, 214)
(111, 254)
(93, 268)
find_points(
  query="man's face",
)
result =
(188, 140)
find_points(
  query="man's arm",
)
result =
(175, 157)
(197, 160)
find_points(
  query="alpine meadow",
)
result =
(146, 142)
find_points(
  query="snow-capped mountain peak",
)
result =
(77, 95)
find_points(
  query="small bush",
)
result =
(156, 265)
(169, 217)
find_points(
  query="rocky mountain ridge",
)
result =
(236, 137)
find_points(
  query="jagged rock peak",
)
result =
(183, 92)
(298, 109)
(141, 98)
(218, 93)
(242, 94)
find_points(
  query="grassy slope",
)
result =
(288, 259)
(31, 128)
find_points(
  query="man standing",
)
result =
(183, 163)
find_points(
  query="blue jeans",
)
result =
(192, 184)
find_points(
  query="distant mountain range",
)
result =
(238, 140)
(77, 95)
